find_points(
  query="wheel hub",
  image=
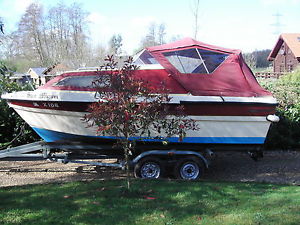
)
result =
(189, 171)
(150, 170)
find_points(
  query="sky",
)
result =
(247, 25)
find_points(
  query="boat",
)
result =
(214, 84)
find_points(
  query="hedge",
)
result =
(286, 133)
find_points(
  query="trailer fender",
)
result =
(169, 153)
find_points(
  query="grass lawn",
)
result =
(150, 202)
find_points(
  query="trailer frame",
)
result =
(151, 162)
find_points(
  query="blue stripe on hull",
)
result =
(51, 136)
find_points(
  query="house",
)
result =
(41, 75)
(37, 75)
(20, 78)
(286, 53)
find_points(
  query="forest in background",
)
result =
(60, 34)
(257, 60)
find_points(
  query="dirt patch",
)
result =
(281, 167)
(15, 173)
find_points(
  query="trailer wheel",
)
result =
(149, 168)
(189, 168)
(79, 169)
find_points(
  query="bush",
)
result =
(286, 133)
(13, 130)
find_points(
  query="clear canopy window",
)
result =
(145, 58)
(82, 81)
(195, 60)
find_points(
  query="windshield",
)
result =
(83, 81)
(195, 60)
(145, 58)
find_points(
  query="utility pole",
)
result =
(277, 24)
(195, 11)
(1, 26)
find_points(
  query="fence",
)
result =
(268, 75)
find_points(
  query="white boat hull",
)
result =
(58, 125)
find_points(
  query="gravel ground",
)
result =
(281, 167)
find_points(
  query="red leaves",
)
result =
(127, 116)
(149, 198)
(130, 107)
(104, 128)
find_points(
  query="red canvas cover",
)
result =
(232, 78)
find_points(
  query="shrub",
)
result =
(286, 133)
(13, 130)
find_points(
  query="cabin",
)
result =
(41, 75)
(286, 53)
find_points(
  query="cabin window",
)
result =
(145, 58)
(195, 60)
(81, 81)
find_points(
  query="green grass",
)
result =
(150, 202)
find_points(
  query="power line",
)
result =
(278, 25)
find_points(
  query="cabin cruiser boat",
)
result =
(216, 87)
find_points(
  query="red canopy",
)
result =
(232, 77)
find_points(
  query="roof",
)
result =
(39, 70)
(189, 42)
(232, 76)
(18, 75)
(55, 69)
(49, 71)
(293, 42)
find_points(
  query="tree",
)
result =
(45, 37)
(131, 109)
(29, 36)
(262, 58)
(115, 44)
(155, 36)
(77, 26)
(257, 58)
(13, 130)
(250, 60)
(161, 34)
(66, 35)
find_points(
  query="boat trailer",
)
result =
(59, 152)
(149, 164)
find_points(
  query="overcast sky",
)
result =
(240, 24)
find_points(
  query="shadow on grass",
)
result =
(150, 202)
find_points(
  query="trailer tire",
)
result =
(149, 168)
(189, 168)
(79, 169)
